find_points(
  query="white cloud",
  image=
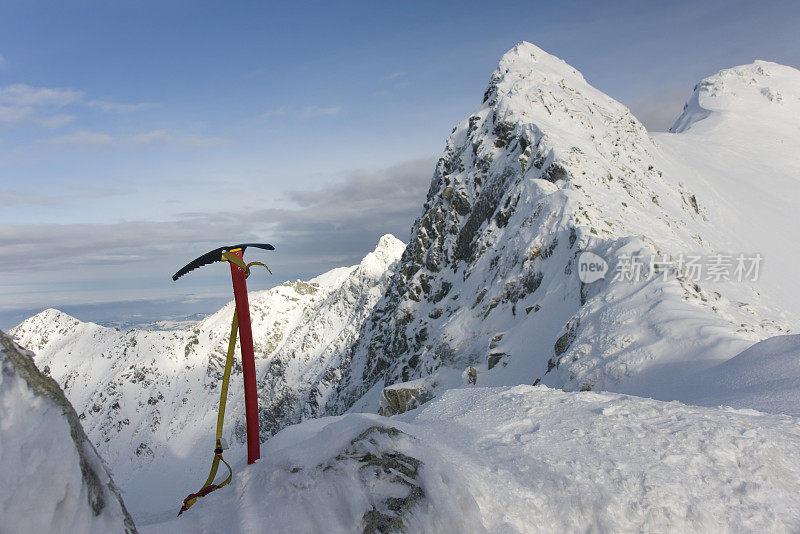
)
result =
(151, 138)
(116, 107)
(14, 114)
(314, 111)
(163, 137)
(277, 112)
(308, 112)
(203, 142)
(22, 198)
(22, 103)
(53, 122)
(2, 60)
(83, 138)
(20, 94)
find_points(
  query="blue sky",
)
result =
(135, 135)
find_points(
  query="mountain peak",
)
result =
(747, 92)
(525, 55)
(524, 68)
(387, 252)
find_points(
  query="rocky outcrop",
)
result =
(400, 398)
(381, 465)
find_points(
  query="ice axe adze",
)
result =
(241, 322)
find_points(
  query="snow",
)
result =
(737, 142)
(149, 398)
(546, 169)
(526, 459)
(44, 487)
(764, 377)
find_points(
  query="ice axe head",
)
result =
(216, 255)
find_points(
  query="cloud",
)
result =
(277, 112)
(150, 138)
(203, 142)
(116, 107)
(659, 110)
(82, 139)
(21, 94)
(308, 112)
(338, 223)
(39, 105)
(396, 75)
(325, 227)
(144, 139)
(311, 112)
(2, 60)
(13, 196)
(14, 114)
(163, 137)
(53, 122)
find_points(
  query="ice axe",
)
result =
(241, 322)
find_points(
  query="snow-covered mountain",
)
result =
(52, 478)
(547, 177)
(148, 399)
(488, 290)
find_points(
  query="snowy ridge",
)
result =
(148, 399)
(53, 479)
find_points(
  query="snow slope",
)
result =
(519, 459)
(546, 169)
(765, 377)
(148, 399)
(738, 140)
(52, 478)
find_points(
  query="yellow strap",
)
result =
(223, 397)
(236, 260)
(223, 394)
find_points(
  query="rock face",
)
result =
(53, 479)
(405, 396)
(547, 168)
(148, 393)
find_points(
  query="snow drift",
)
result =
(520, 459)
(53, 479)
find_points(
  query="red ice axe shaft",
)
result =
(238, 276)
(248, 359)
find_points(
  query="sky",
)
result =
(136, 135)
